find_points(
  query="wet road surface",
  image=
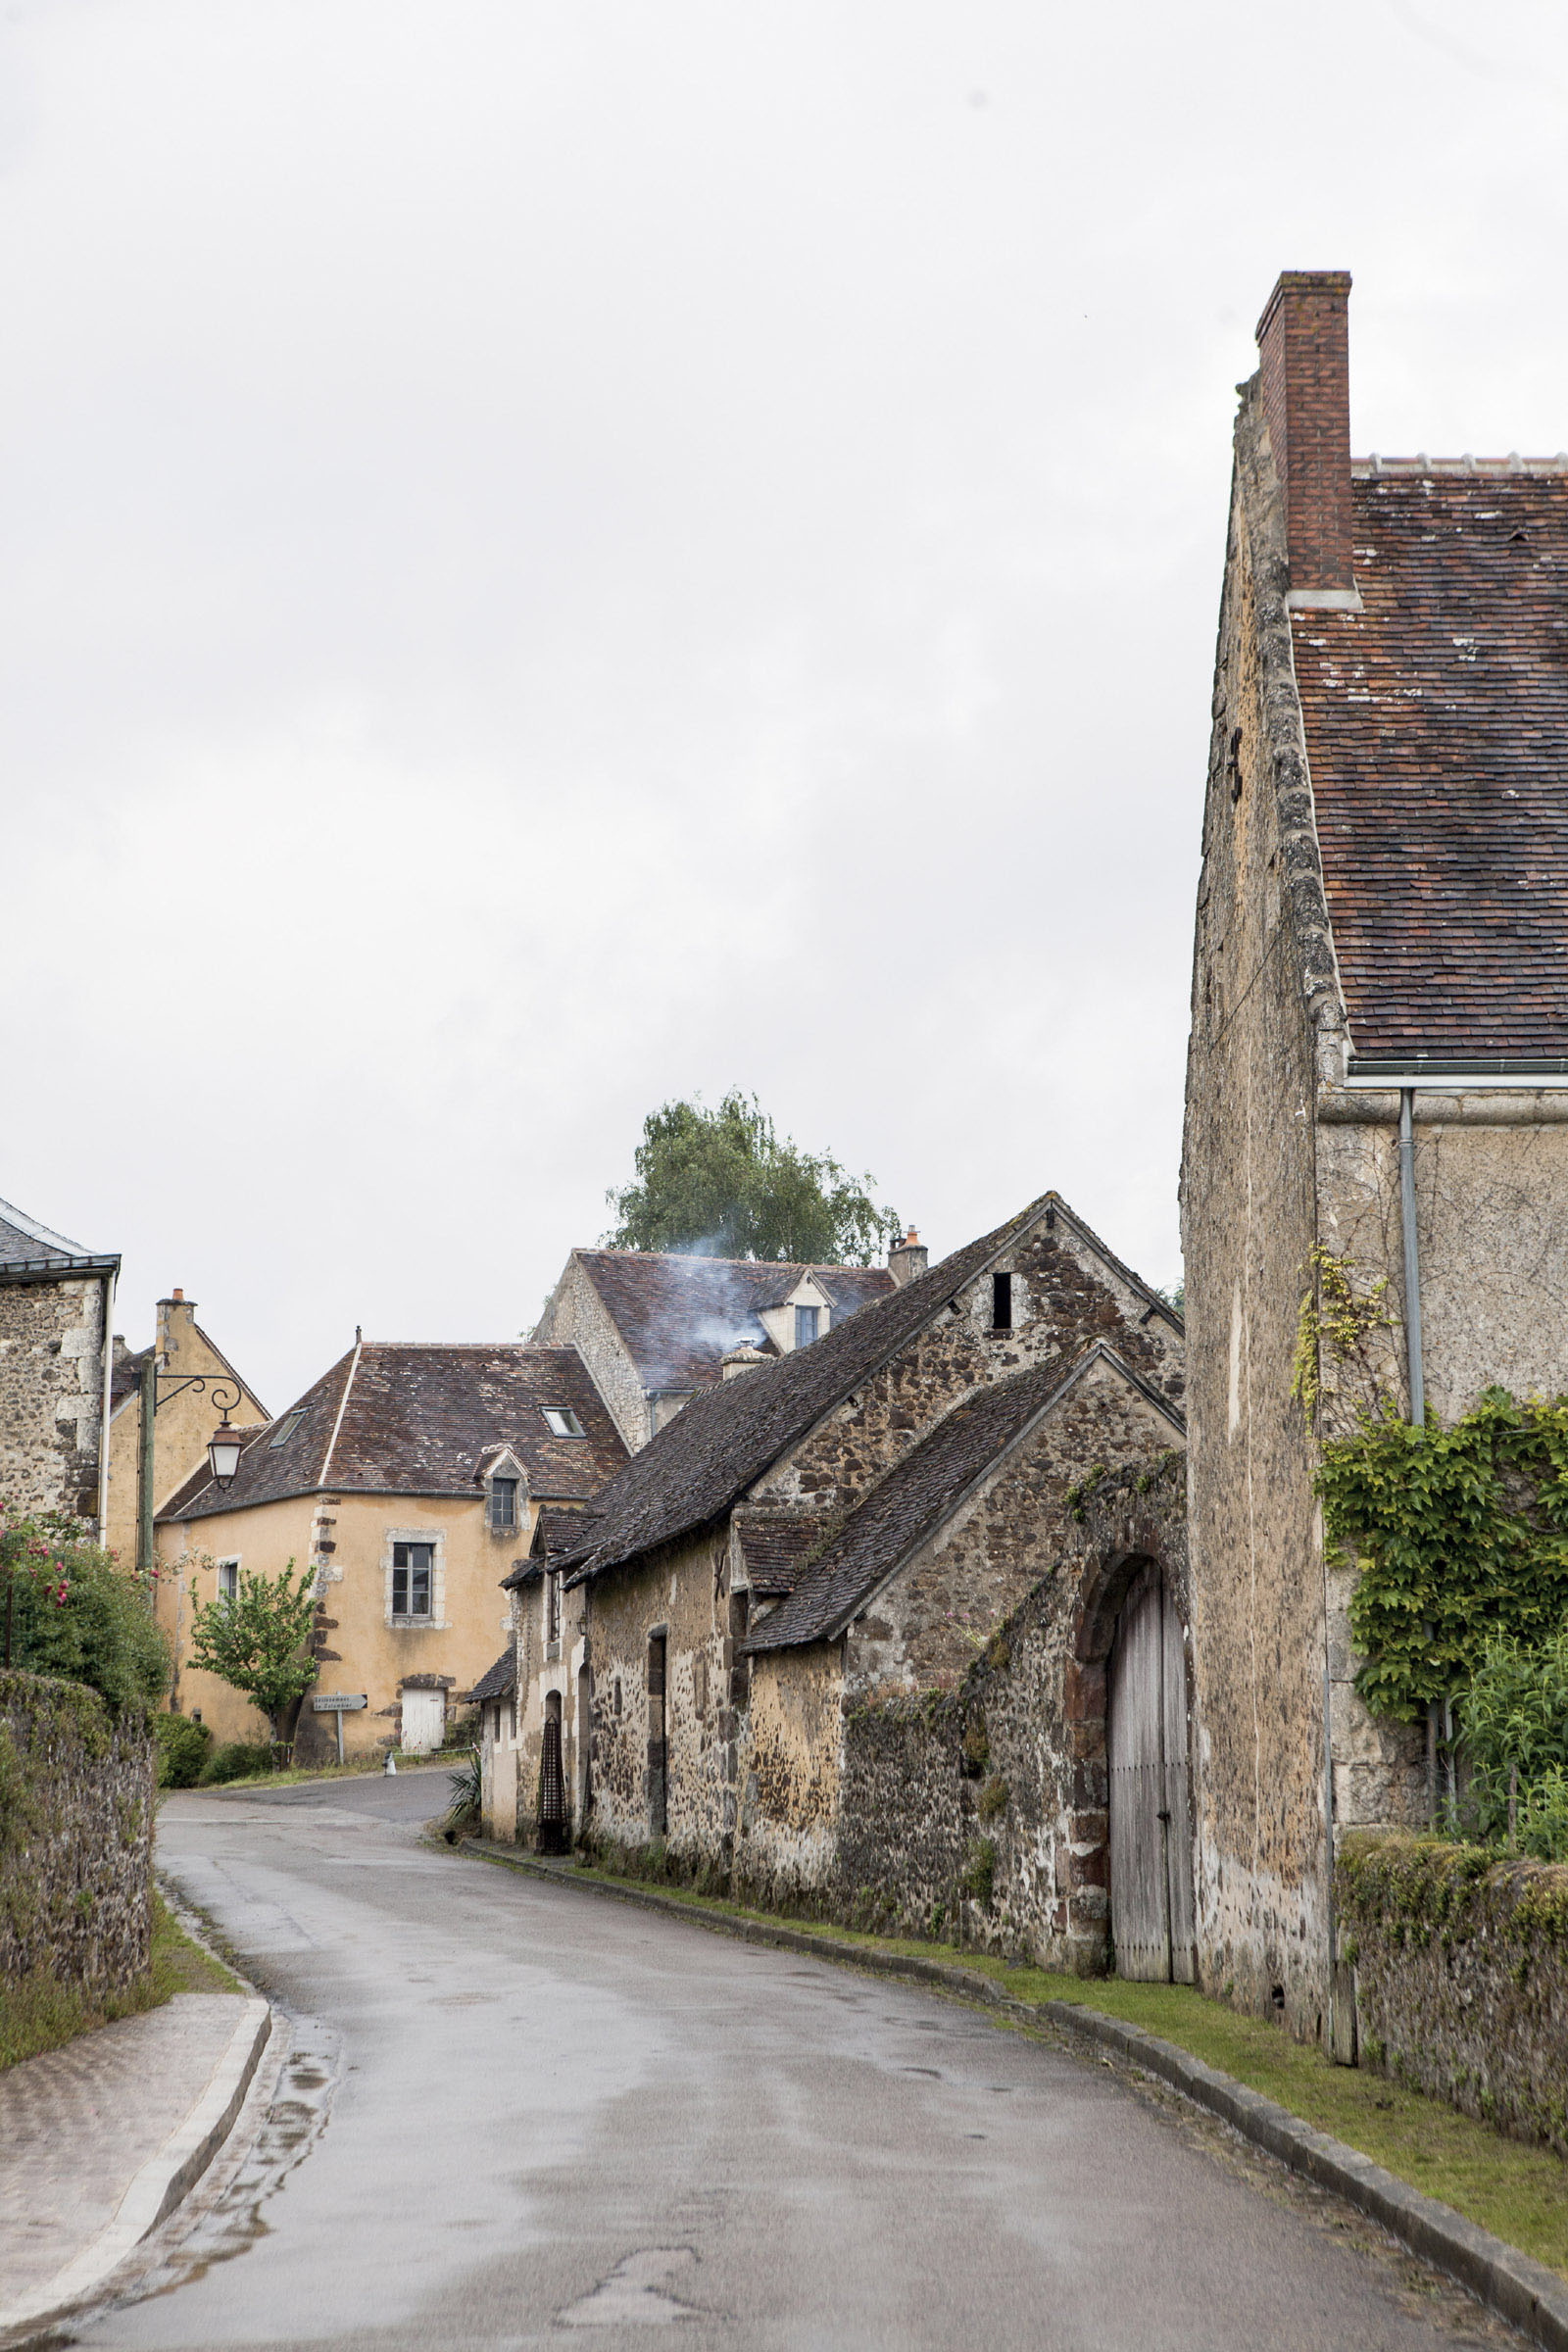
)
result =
(515, 2112)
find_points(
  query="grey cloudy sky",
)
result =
(561, 554)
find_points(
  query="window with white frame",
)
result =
(412, 1575)
(502, 1504)
(228, 1581)
(561, 1421)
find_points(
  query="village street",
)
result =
(545, 2108)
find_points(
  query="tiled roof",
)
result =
(201, 1477)
(774, 1544)
(497, 1680)
(677, 1315)
(1437, 729)
(25, 1243)
(125, 1377)
(922, 1490)
(397, 1418)
(700, 1463)
(556, 1531)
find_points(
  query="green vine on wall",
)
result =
(1336, 1317)
(1459, 1535)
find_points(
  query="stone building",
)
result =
(844, 1527)
(1381, 941)
(186, 1417)
(653, 1327)
(55, 1310)
(410, 1479)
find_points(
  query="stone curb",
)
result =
(1524, 2292)
(161, 2182)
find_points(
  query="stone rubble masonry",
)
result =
(52, 1394)
(1461, 1976)
(575, 1316)
(75, 1835)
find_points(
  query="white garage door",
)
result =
(424, 1721)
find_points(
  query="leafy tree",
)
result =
(67, 1609)
(255, 1643)
(721, 1183)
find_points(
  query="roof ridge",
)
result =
(343, 1406)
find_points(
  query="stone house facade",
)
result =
(408, 1477)
(655, 1326)
(56, 1313)
(186, 1417)
(838, 1529)
(1381, 949)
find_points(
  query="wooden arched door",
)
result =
(1151, 1914)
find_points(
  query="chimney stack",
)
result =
(907, 1258)
(743, 1358)
(1304, 340)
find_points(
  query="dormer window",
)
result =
(561, 1421)
(805, 1322)
(502, 1504)
(285, 1429)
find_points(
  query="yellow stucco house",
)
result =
(408, 1477)
(185, 1419)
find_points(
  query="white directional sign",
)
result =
(338, 1703)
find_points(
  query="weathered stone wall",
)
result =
(1064, 1297)
(52, 1394)
(922, 1630)
(575, 1316)
(686, 1593)
(1461, 1976)
(75, 1835)
(790, 1764)
(1267, 1024)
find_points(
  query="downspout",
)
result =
(1417, 1378)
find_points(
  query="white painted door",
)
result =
(424, 1721)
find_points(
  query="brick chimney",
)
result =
(907, 1258)
(1303, 338)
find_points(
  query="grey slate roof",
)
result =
(499, 1680)
(698, 1465)
(677, 1315)
(922, 1490)
(394, 1417)
(29, 1250)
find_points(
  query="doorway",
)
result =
(658, 1746)
(1151, 1912)
(424, 1721)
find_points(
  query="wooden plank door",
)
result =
(657, 1744)
(1139, 1893)
(1178, 1805)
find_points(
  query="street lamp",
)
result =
(223, 1451)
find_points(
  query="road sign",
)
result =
(338, 1703)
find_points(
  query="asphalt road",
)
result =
(518, 2110)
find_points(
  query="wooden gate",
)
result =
(1151, 1914)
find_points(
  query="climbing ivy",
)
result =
(1335, 1317)
(1459, 1535)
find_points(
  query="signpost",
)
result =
(339, 1703)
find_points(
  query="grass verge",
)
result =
(1518, 2192)
(451, 1758)
(41, 2013)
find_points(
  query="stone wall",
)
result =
(75, 1835)
(52, 1394)
(1461, 1976)
(986, 1810)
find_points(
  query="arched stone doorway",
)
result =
(1149, 1828)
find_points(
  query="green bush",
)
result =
(235, 1760)
(1543, 1824)
(76, 1614)
(1513, 1720)
(183, 1747)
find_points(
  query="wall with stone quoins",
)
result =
(52, 1396)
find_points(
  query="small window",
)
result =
(285, 1429)
(1001, 1302)
(805, 1324)
(503, 1503)
(561, 1421)
(553, 1612)
(228, 1581)
(615, 1698)
(411, 1579)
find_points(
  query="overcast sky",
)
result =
(558, 555)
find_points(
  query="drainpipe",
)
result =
(1412, 1262)
(1418, 1391)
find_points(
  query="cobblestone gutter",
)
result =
(75, 1835)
